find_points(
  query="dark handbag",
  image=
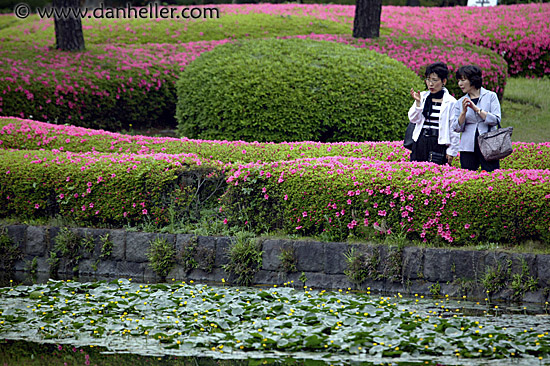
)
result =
(408, 141)
(438, 158)
(497, 144)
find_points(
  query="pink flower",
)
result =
(225, 221)
(304, 214)
(144, 211)
(467, 226)
(266, 196)
(286, 197)
(61, 196)
(298, 227)
(264, 190)
(36, 205)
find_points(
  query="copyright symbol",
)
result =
(22, 10)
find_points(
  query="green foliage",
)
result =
(435, 289)
(106, 246)
(187, 255)
(245, 257)
(32, 266)
(288, 259)
(106, 193)
(362, 265)
(161, 256)
(293, 90)
(9, 251)
(70, 246)
(497, 277)
(523, 282)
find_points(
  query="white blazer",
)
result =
(447, 136)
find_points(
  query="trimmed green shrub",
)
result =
(294, 90)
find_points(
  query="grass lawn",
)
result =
(526, 107)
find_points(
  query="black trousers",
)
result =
(421, 148)
(472, 160)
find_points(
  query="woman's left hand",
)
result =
(450, 159)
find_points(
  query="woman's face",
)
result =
(465, 85)
(434, 83)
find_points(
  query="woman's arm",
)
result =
(491, 115)
(415, 112)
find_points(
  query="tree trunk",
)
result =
(68, 27)
(366, 23)
(413, 3)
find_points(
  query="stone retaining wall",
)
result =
(411, 270)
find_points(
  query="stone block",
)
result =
(413, 263)
(467, 264)
(125, 269)
(137, 245)
(437, 265)
(37, 241)
(222, 251)
(18, 235)
(543, 269)
(271, 250)
(309, 256)
(335, 260)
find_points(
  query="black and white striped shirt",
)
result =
(433, 119)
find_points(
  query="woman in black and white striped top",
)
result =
(433, 138)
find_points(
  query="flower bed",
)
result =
(338, 197)
(16, 133)
(104, 189)
(363, 189)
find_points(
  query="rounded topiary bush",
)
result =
(294, 90)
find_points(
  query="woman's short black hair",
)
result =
(439, 68)
(472, 73)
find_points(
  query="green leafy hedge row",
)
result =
(338, 198)
(105, 189)
(16, 133)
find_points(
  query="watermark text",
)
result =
(150, 11)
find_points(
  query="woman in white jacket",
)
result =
(431, 112)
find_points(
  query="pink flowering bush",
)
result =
(334, 189)
(341, 197)
(104, 189)
(16, 133)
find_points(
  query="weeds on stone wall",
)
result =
(523, 282)
(362, 265)
(288, 260)
(161, 256)
(68, 245)
(245, 257)
(496, 277)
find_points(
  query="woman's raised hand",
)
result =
(416, 96)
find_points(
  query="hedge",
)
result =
(293, 90)
(16, 133)
(338, 198)
(106, 189)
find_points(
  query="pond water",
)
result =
(190, 323)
